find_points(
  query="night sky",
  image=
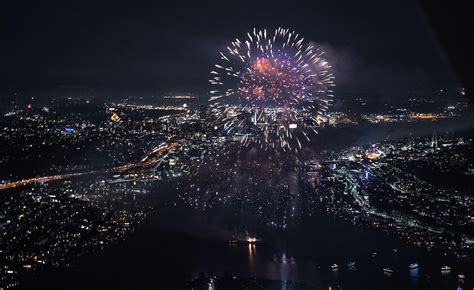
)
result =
(154, 47)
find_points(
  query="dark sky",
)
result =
(170, 46)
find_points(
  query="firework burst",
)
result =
(272, 89)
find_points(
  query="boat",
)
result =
(445, 269)
(413, 266)
(251, 240)
(351, 264)
(388, 270)
(334, 267)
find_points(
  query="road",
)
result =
(151, 158)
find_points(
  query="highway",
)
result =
(151, 158)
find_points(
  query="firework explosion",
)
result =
(272, 89)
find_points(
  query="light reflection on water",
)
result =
(279, 265)
(303, 255)
(414, 273)
(280, 268)
(252, 253)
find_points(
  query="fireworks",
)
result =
(271, 88)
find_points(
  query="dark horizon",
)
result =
(154, 48)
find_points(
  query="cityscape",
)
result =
(74, 206)
(265, 176)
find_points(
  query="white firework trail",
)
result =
(279, 85)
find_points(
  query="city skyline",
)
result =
(241, 145)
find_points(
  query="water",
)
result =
(177, 243)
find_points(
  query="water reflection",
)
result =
(284, 268)
(252, 256)
(414, 273)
